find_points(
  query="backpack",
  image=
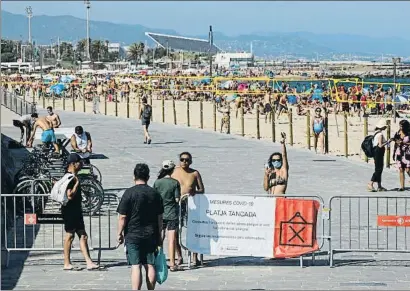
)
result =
(59, 191)
(146, 113)
(367, 145)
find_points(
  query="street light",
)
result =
(29, 12)
(211, 42)
(395, 62)
(88, 6)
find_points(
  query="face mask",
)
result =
(277, 164)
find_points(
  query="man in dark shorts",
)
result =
(25, 121)
(145, 116)
(73, 217)
(140, 221)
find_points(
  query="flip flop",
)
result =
(73, 269)
(370, 189)
(175, 269)
(99, 268)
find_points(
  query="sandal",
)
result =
(370, 188)
(400, 189)
(175, 269)
(180, 261)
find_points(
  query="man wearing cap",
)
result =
(73, 217)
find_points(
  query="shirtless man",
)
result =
(226, 119)
(53, 118)
(190, 181)
(47, 136)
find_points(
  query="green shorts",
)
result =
(138, 255)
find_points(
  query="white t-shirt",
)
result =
(25, 118)
(376, 139)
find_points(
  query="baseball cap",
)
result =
(168, 164)
(73, 158)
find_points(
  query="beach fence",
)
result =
(343, 133)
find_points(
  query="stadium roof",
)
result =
(182, 43)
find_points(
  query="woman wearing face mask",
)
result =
(276, 176)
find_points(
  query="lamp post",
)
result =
(211, 42)
(29, 12)
(88, 6)
(395, 62)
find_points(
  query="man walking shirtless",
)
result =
(190, 181)
(53, 118)
(47, 136)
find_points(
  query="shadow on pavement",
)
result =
(18, 236)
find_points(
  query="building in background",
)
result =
(227, 60)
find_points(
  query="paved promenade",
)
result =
(229, 165)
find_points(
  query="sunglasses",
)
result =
(276, 160)
(184, 160)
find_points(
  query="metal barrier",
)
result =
(37, 225)
(16, 104)
(320, 224)
(376, 224)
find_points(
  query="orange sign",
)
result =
(393, 220)
(30, 219)
(295, 227)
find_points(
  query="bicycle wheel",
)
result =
(92, 194)
(91, 171)
(32, 203)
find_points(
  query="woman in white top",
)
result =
(379, 146)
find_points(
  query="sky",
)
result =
(383, 18)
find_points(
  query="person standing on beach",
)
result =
(379, 148)
(318, 129)
(191, 184)
(145, 116)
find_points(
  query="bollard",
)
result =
(308, 129)
(63, 102)
(214, 113)
(290, 127)
(273, 117)
(116, 105)
(174, 110)
(73, 103)
(84, 104)
(258, 131)
(163, 109)
(326, 132)
(54, 101)
(366, 132)
(201, 112)
(388, 123)
(150, 103)
(188, 122)
(346, 137)
(128, 106)
(242, 122)
(105, 104)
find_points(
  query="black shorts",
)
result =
(73, 221)
(145, 122)
(18, 123)
(140, 254)
(170, 224)
(268, 108)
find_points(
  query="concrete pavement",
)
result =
(228, 165)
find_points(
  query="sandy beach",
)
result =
(298, 127)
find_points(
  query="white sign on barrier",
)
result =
(231, 225)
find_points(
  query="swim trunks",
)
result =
(48, 136)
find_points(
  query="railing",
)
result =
(16, 103)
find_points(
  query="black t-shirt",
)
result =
(142, 205)
(75, 203)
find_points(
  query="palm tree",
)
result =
(135, 51)
(98, 50)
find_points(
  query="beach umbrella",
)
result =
(231, 97)
(66, 79)
(401, 99)
(57, 88)
(242, 87)
(206, 81)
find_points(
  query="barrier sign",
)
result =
(393, 220)
(30, 219)
(251, 226)
(50, 218)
